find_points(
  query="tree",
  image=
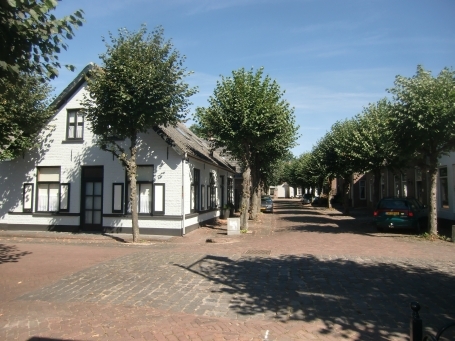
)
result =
(248, 116)
(424, 122)
(140, 85)
(197, 130)
(24, 111)
(374, 142)
(348, 160)
(31, 38)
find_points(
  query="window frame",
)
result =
(202, 208)
(68, 196)
(76, 124)
(212, 195)
(196, 189)
(48, 183)
(139, 184)
(122, 197)
(154, 201)
(443, 192)
(230, 190)
(221, 191)
(24, 193)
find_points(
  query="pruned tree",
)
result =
(24, 112)
(139, 85)
(248, 116)
(31, 38)
(424, 123)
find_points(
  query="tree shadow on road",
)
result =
(11, 254)
(350, 299)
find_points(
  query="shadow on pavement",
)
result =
(11, 254)
(37, 338)
(370, 300)
(322, 220)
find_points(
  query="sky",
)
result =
(330, 57)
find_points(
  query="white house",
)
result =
(284, 191)
(69, 184)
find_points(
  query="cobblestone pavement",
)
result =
(301, 274)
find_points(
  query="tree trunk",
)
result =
(433, 213)
(255, 195)
(376, 186)
(245, 202)
(346, 189)
(132, 170)
(329, 194)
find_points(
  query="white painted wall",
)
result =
(169, 169)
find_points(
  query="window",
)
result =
(362, 188)
(27, 198)
(202, 197)
(418, 184)
(144, 182)
(383, 188)
(443, 187)
(212, 192)
(75, 125)
(64, 198)
(230, 191)
(396, 183)
(52, 195)
(195, 190)
(222, 190)
(117, 198)
(158, 199)
(404, 185)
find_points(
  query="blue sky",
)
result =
(332, 57)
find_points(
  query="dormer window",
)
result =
(75, 125)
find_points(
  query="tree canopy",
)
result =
(248, 116)
(24, 111)
(424, 122)
(31, 37)
(140, 85)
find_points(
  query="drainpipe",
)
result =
(183, 195)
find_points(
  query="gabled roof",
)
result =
(72, 87)
(184, 141)
(179, 137)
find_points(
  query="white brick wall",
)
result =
(72, 156)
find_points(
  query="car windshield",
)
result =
(397, 204)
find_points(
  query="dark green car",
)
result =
(392, 213)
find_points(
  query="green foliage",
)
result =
(140, 85)
(197, 130)
(31, 37)
(424, 116)
(24, 111)
(248, 116)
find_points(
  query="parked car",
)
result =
(266, 204)
(307, 198)
(391, 213)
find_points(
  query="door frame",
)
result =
(84, 180)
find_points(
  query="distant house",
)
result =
(284, 191)
(69, 184)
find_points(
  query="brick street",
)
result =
(301, 274)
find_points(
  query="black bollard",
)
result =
(416, 323)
